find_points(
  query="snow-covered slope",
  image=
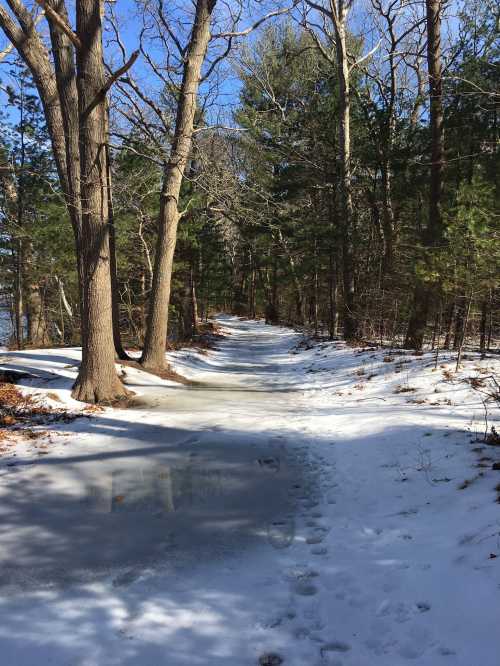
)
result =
(324, 505)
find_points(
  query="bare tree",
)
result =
(386, 78)
(153, 355)
(74, 107)
(196, 57)
(335, 14)
(433, 234)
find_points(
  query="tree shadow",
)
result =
(157, 495)
(124, 556)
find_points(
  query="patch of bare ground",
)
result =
(209, 334)
(165, 373)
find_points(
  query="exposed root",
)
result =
(109, 393)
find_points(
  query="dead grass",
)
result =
(467, 482)
(404, 389)
(493, 437)
(477, 382)
(20, 412)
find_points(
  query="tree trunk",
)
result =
(156, 334)
(115, 297)
(388, 218)
(332, 291)
(65, 79)
(464, 329)
(97, 380)
(38, 335)
(350, 319)
(297, 285)
(18, 295)
(252, 295)
(483, 325)
(194, 304)
(459, 323)
(57, 89)
(448, 323)
(433, 235)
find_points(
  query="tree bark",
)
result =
(350, 318)
(18, 295)
(97, 380)
(388, 217)
(332, 294)
(483, 325)
(38, 335)
(448, 323)
(113, 269)
(297, 285)
(153, 355)
(78, 141)
(194, 303)
(433, 235)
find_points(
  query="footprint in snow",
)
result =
(271, 659)
(334, 646)
(300, 572)
(301, 579)
(281, 533)
(319, 550)
(317, 536)
(300, 633)
(270, 622)
(269, 464)
(402, 611)
(126, 578)
(305, 589)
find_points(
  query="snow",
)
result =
(292, 501)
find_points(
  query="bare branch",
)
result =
(259, 22)
(366, 56)
(114, 77)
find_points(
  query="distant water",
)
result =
(5, 326)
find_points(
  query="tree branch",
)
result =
(53, 16)
(254, 26)
(114, 77)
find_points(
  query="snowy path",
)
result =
(274, 507)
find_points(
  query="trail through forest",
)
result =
(295, 501)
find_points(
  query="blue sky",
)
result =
(182, 10)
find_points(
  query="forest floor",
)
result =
(301, 503)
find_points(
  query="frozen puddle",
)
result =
(196, 501)
(156, 490)
(206, 397)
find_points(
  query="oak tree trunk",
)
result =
(97, 380)
(433, 235)
(153, 355)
